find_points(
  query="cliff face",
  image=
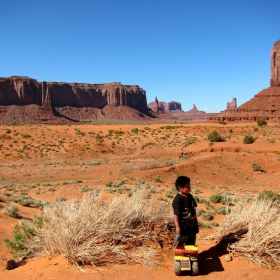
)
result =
(25, 91)
(173, 105)
(275, 64)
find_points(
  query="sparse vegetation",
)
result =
(254, 229)
(261, 122)
(248, 139)
(11, 210)
(256, 166)
(75, 229)
(214, 136)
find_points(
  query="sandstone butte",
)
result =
(25, 100)
(265, 104)
(175, 109)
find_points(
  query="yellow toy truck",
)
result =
(185, 259)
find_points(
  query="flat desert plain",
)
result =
(60, 163)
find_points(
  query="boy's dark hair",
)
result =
(181, 181)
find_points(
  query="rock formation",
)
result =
(265, 104)
(25, 91)
(166, 107)
(232, 104)
(25, 100)
(194, 115)
(174, 108)
(275, 64)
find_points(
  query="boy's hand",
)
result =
(178, 230)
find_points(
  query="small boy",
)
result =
(184, 213)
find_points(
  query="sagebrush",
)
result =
(255, 231)
(97, 232)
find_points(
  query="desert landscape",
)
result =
(56, 164)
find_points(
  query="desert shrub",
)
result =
(134, 130)
(25, 135)
(201, 224)
(125, 169)
(149, 165)
(99, 232)
(207, 216)
(269, 195)
(157, 179)
(254, 229)
(256, 128)
(11, 210)
(223, 210)
(108, 184)
(90, 163)
(261, 122)
(21, 245)
(26, 200)
(79, 132)
(248, 139)
(256, 166)
(60, 199)
(169, 195)
(85, 189)
(118, 132)
(216, 198)
(222, 122)
(204, 201)
(5, 136)
(191, 140)
(148, 144)
(214, 136)
(199, 212)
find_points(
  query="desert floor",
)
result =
(53, 162)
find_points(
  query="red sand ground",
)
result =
(59, 161)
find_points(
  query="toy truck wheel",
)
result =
(177, 268)
(195, 268)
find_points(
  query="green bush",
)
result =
(269, 195)
(200, 212)
(256, 166)
(207, 216)
(248, 139)
(18, 247)
(214, 136)
(216, 198)
(222, 210)
(169, 195)
(134, 130)
(261, 122)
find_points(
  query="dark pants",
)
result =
(183, 240)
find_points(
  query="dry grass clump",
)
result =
(99, 232)
(255, 226)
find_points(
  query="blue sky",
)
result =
(202, 52)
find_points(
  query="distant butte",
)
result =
(175, 109)
(265, 104)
